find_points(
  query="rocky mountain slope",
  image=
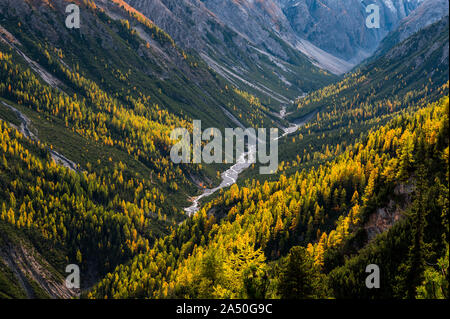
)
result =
(342, 29)
(25, 271)
(337, 43)
(266, 24)
(427, 13)
(332, 34)
(263, 64)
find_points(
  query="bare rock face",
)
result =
(227, 28)
(194, 23)
(334, 27)
(385, 217)
(186, 21)
(342, 30)
(429, 12)
(30, 268)
(244, 41)
(382, 220)
(260, 21)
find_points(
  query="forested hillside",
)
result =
(337, 199)
(124, 54)
(86, 176)
(398, 168)
(120, 82)
(406, 78)
(96, 219)
(104, 98)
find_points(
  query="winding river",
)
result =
(230, 176)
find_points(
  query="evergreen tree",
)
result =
(300, 278)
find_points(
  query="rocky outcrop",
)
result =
(385, 217)
(32, 271)
(339, 26)
(429, 12)
(437, 34)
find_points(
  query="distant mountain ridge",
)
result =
(339, 42)
(342, 29)
(265, 23)
(267, 69)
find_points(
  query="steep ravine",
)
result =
(31, 269)
(27, 132)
